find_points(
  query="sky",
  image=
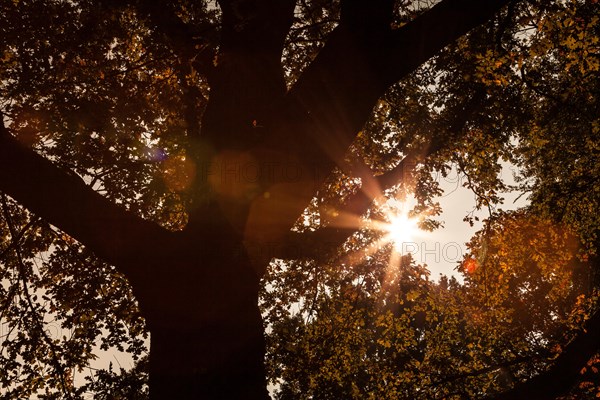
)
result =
(443, 248)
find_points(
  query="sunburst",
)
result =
(401, 229)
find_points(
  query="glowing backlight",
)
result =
(401, 229)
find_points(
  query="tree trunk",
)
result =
(206, 332)
(217, 360)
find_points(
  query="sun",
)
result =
(401, 229)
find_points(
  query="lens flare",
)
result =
(401, 229)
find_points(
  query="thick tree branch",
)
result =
(430, 32)
(564, 373)
(337, 92)
(65, 201)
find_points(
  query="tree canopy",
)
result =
(208, 187)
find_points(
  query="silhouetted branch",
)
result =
(64, 200)
(565, 371)
(337, 92)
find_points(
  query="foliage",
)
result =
(529, 275)
(382, 329)
(93, 87)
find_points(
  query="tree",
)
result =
(160, 156)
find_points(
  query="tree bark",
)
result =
(207, 337)
(215, 356)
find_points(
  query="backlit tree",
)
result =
(157, 161)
